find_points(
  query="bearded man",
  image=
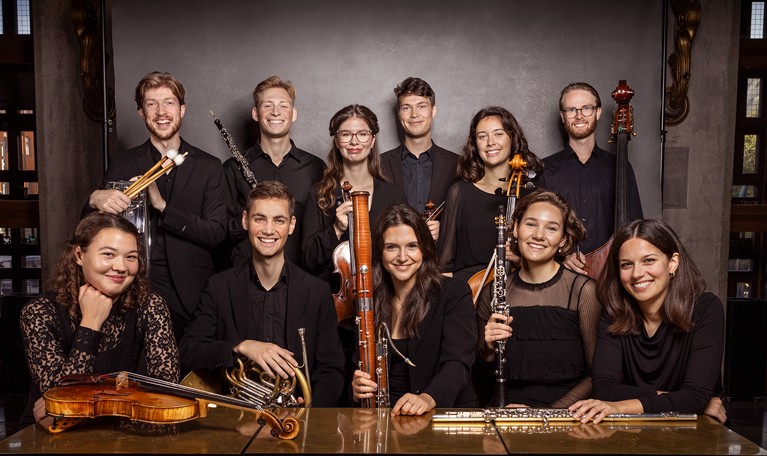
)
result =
(585, 174)
(188, 203)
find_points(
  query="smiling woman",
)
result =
(467, 233)
(661, 336)
(430, 317)
(100, 316)
(553, 311)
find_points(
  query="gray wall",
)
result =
(517, 54)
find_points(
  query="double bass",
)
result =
(621, 131)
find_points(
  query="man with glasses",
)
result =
(418, 166)
(585, 174)
(273, 157)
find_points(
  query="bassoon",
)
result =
(373, 356)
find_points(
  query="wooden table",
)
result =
(358, 431)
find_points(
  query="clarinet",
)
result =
(241, 162)
(499, 304)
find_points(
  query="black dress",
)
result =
(468, 232)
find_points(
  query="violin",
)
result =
(519, 178)
(343, 265)
(432, 211)
(621, 131)
(143, 398)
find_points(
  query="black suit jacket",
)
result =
(444, 351)
(442, 173)
(222, 318)
(194, 219)
(319, 236)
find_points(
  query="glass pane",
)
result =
(744, 191)
(6, 287)
(740, 264)
(4, 151)
(5, 261)
(27, 151)
(743, 290)
(5, 236)
(5, 188)
(746, 235)
(752, 97)
(31, 188)
(2, 30)
(29, 236)
(31, 262)
(31, 286)
(22, 17)
(757, 20)
(26, 111)
(749, 154)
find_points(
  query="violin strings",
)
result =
(175, 387)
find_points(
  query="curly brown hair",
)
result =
(69, 276)
(471, 168)
(574, 231)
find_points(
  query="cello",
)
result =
(519, 177)
(621, 131)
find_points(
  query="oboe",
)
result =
(241, 161)
(499, 304)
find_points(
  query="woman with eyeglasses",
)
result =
(353, 157)
(661, 336)
(467, 233)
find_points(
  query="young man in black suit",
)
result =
(254, 310)
(188, 204)
(418, 166)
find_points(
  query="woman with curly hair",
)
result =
(100, 316)
(354, 158)
(554, 312)
(467, 233)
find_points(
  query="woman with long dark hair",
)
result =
(554, 311)
(100, 315)
(467, 233)
(430, 317)
(661, 335)
(353, 157)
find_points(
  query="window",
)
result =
(752, 97)
(23, 21)
(750, 161)
(757, 20)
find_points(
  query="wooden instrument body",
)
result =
(132, 402)
(343, 266)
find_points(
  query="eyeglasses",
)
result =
(586, 111)
(345, 136)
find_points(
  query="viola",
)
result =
(343, 265)
(621, 131)
(142, 398)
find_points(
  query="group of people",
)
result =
(236, 269)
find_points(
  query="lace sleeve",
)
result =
(448, 231)
(43, 337)
(162, 358)
(588, 314)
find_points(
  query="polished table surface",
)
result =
(358, 431)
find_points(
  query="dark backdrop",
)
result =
(513, 53)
